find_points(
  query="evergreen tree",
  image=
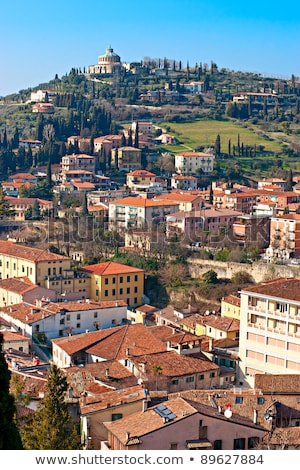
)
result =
(211, 195)
(5, 210)
(289, 181)
(50, 427)
(123, 140)
(136, 136)
(129, 140)
(9, 434)
(49, 175)
(218, 145)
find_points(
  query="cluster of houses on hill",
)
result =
(143, 377)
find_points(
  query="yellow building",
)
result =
(42, 268)
(126, 158)
(116, 281)
(140, 179)
(231, 306)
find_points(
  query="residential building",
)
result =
(182, 424)
(252, 229)
(208, 220)
(126, 158)
(37, 264)
(30, 143)
(270, 328)
(115, 343)
(187, 200)
(20, 289)
(115, 281)
(46, 108)
(42, 95)
(56, 319)
(15, 341)
(139, 212)
(176, 371)
(20, 206)
(231, 306)
(140, 180)
(184, 182)
(144, 127)
(108, 407)
(75, 162)
(190, 163)
(193, 88)
(271, 99)
(284, 237)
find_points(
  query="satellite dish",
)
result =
(228, 412)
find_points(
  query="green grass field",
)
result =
(204, 133)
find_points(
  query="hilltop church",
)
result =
(110, 62)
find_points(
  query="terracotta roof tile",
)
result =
(28, 253)
(109, 267)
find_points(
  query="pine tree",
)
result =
(289, 181)
(9, 434)
(50, 427)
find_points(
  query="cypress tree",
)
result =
(136, 136)
(9, 434)
(50, 427)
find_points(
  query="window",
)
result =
(128, 278)
(128, 290)
(97, 292)
(201, 377)
(121, 291)
(211, 375)
(113, 280)
(239, 444)
(173, 446)
(135, 278)
(252, 442)
(62, 321)
(106, 281)
(135, 289)
(218, 444)
(175, 382)
(116, 416)
(260, 400)
(95, 314)
(106, 293)
(113, 292)
(190, 379)
(121, 279)
(15, 266)
(78, 316)
(135, 300)
(77, 325)
(238, 400)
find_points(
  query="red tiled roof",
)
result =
(28, 253)
(109, 267)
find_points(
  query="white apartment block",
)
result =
(270, 329)
(189, 163)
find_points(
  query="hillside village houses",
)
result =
(130, 364)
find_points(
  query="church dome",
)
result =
(109, 56)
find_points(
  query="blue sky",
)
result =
(38, 40)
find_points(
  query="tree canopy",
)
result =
(51, 427)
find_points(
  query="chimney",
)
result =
(127, 352)
(255, 415)
(144, 405)
(107, 372)
(127, 435)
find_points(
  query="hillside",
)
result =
(256, 138)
